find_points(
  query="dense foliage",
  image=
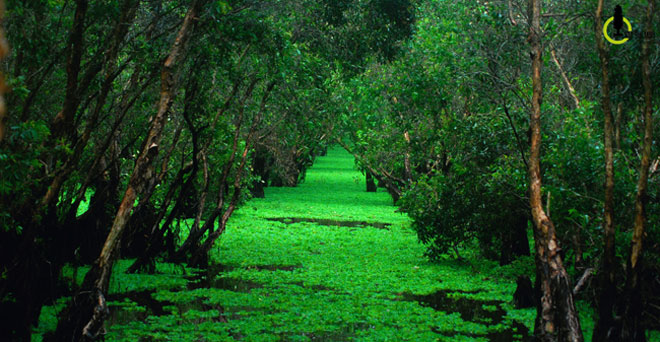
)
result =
(136, 129)
(444, 128)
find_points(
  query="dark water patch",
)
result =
(209, 277)
(121, 310)
(137, 306)
(328, 222)
(314, 287)
(235, 284)
(486, 312)
(273, 267)
(220, 317)
(517, 332)
(482, 311)
(236, 312)
(344, 333)
(224, 283)
(209, 272)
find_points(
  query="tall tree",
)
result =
(607, 289)
(632, 328)
(556, 319)
(83, 320)
(4, 50)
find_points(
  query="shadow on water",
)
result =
(328, 222)
(314, 287)
(209, 278)
(345, 333)
(486, 312)
(138, 305)
(134, 306)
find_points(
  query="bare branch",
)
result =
(583, 280)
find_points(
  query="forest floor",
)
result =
(325, 261)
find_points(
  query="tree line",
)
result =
(511, 115)
(127, 118)
(135, 128)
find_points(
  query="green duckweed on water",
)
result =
(278, 279)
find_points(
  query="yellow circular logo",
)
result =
(607, 36)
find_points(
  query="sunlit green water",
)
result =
(302, 281)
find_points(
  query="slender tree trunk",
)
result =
(386, 179)
(4, 50)
(617, 125)
(156, 242)
(128, 9)
(63, 122)
(85, 315)
(607, 295)
(514, 240)
(632, 329)
(34, 91)
(144, 216)
(195, 235)
(145, 262)
(557, 319)
(259, 165)
(569, 86)
(200, 256)
(371, 184)
(112, 137)
(201, 203)
(406, 158)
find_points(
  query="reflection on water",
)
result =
(487, 312)
(328, 222)
(137, 306)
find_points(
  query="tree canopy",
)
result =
(134, 129)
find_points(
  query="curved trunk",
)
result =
(83, 318)
(557, 319)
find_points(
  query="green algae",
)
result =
(302, 281)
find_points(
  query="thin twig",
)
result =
(582, 280)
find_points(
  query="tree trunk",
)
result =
(406, 158)
(371, 185)
(112, 141)
(569, 86)
(607, 295)
(195, 235)
(259, 165)
(632, 329)
(155, 244)
(155, 235)
(200, 255)
(83, 318)
(515, 242)
(556, 318)
(389, 182)
(63, 122)
(4, 50)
